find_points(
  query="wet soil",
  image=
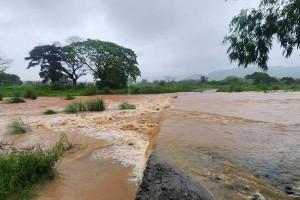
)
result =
(163, 181)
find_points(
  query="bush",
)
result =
(69, 97)
(90, 91)
(15, 99)
(275, 87)
(126, 105)
(1, 97)
(30, 94)
(95, 105)
(106, 90)
(18, 126)
(20, 170)
(49, 112)
(75, 107)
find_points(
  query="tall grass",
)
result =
(20, 170)
(1, 97)
(95, 105)
(126, 106)
(18, 126)
(91, 105)
(16, 98)
(30, 94)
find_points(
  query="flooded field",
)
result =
(239, 145)
(113, 145)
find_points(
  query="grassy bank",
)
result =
(148, 88)
(20, 170)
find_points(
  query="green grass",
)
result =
(90, 105)
(126, 106)
(69, 97)
(49, 112)
(95, 105)
(145, 88)
(18, 126)
(16, 98)
(19, 171)
(30, 94)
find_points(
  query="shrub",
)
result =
(15, 99)
(95, 105)
(75, 107)
(20, 170)
(106, 90)
(126, 105)
(49, 112)
(1, 97)
(30, 94)
(275, 87)
(69, 97)
(90, 91)
(18, 126)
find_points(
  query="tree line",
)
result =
(111, 65)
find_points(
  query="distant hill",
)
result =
(241, 72)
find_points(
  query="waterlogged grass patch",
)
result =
(18, 126)
(126, 106)
(69, 97)
(30, 94)
(75, 106)
(91, 105)
(16, 98)
(20, 170)
(95, 105)
(49, 112)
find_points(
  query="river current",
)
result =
(238, 145)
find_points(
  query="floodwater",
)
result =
(111, 146)
(238, 145)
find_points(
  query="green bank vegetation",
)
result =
(49, 112)
(18, 126)
(20, 170)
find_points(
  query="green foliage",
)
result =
(18, 126)
(260, 78)
(126, 105)
(106, 90)
(112, 65)
(16, 98)
(288, 80)
(95, 105)
(49, 112)
(30, 94)
(20, 170)
(69, 97)
(1, 97)
(90, 91)
(203, 79)
(253, 31)
(75, 107)
(91, 105)
(9, 79)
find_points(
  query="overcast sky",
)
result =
(170, 37)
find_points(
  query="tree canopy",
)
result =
(253, 31)
(261, 78)
(110, 64)
(9, 79)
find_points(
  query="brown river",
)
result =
(237, 145)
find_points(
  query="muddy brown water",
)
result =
(235, 144)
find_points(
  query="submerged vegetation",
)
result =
(16, 98)
(126, 106)
(19, 170)
(49, 112)
(18, 126)
(91, 105)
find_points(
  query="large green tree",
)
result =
(56, 62)
(48, 57)
(111, 65)
(253, 31)
(261, 78)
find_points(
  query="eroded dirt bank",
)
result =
(111, 146)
